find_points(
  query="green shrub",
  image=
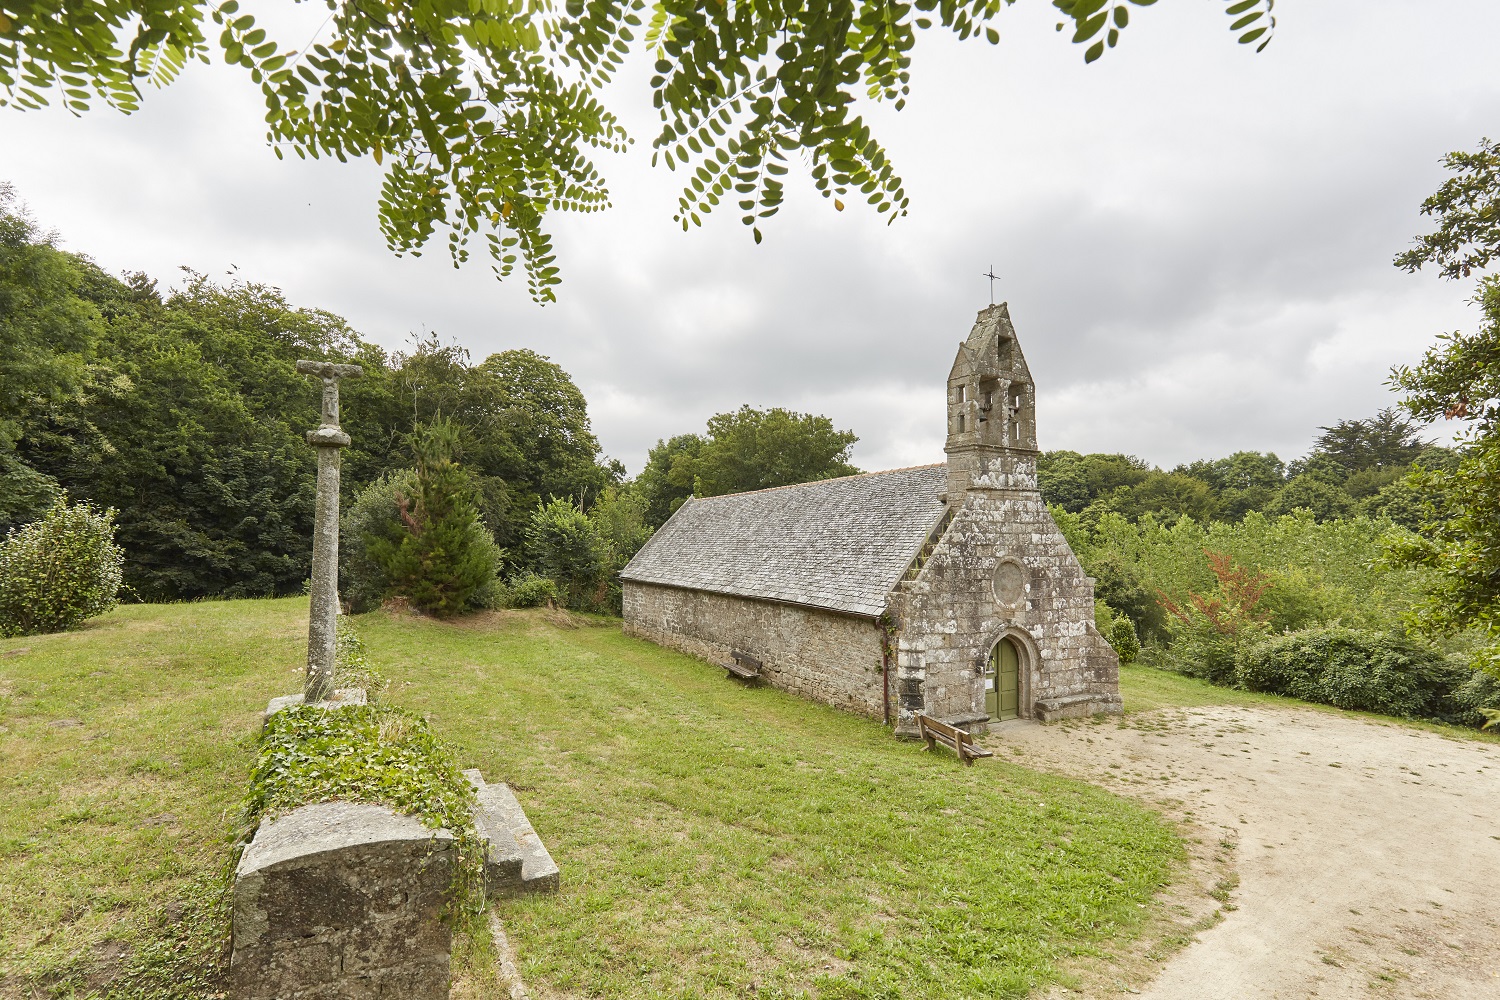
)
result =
(1281, 665)
(1392, 679)
(1477, 699)
(565, 547)
(58, 571)
(444, 555)
(1355, 669)
(532, 591)
(1118, 630)
(1202, 647)
(491, 595)
(1122, 636)
(374, 514)
(1212, 630)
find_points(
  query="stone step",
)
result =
(516, 860)
(503, 859)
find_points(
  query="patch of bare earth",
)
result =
(1366, 854)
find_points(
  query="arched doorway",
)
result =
(1002, 682)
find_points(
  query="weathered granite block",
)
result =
(342, 901)
(516, 860)
(1078, 706)
(341, 698)
(503, 857)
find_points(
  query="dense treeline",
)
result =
(1230, 569)
(184, 412)
(1356, 467)
(1285, 577)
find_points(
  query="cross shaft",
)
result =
(329, 439)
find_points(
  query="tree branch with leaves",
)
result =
(484, 113)
(1459, 379)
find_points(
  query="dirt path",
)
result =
(1368, 855)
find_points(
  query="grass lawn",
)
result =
(714, 840)
(1147, 688)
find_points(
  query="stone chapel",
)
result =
(945, 590)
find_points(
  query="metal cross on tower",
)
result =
(993, 278)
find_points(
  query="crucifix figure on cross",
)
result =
(329, 439)
(993, 278)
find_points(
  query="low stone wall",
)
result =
(342, 900)
(821, 655)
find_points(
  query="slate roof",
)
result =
(840, 544)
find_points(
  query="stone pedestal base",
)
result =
(342, 901)
(1078, 706)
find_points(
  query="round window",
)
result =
(1010, 582)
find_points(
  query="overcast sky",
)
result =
(1195, 241)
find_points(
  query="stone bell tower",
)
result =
(991, 410)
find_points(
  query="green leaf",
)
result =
(1089, 28)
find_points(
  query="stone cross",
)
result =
(328, 439)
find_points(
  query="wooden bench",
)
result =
(744, 666)
(934, 732)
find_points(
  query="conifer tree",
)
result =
(445, 554)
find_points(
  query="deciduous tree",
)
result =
(1459, 379)
(752, 449)
(667, 479)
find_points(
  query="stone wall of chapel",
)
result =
(949, 617)
(822, 655)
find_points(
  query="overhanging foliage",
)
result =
(484, 112)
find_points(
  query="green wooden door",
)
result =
(1002, 682)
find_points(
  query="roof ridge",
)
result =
(819, 482)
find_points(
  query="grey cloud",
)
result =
(1195, 242)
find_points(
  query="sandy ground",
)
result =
(1367, 854)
